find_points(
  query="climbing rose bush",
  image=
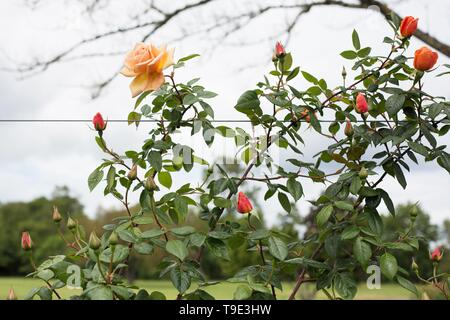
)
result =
(383, 122)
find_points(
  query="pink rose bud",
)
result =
(436, 255)
(26, 242)
(244, 205)
(408, 26)
(361, 103)
(348, 131)
(98, 122)
(279, 50)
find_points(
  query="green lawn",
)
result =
(221, 291)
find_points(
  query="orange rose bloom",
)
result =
(408, 26)
(425, 59)
(243, 205)
(145, 63)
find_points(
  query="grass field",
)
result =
(221, 291)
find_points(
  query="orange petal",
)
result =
(154, 81)
(138, 84)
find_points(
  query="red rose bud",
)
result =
(348, 129)
(56, 216)
(98, 122)
(436, 255)
(244, 205)
(26, 242)
(11, 295)
(425, 59)
(279, 50)
(361, 103)
(408, 26)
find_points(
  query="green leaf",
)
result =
(295, 188)
(165, 179)
(293, 74)
(349, 54)
(153, 233)
(284, 201)
(355, 40)
(155, 159)
(180, 279)
(134, 117)
(259, 234)
(143, 248)
(183, 231)
(418, 148)
(94, 179)
(324, 214)
(388, 264)
(350, 232)
(177, 248)
(189, 57)
(408, 285)
(364, 52)
(309, 77)
(100, 292)
(248, 101)
(278, 248)
(242, 292)
(362, 251)
(141, 98)
(394, 104)
(190, 99)
(399, 175)
(355, 185)
(387, 201)
(344, 205)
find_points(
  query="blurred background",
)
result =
(59, 61)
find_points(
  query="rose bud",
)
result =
(425, 59)
(280, 52)
(363, 173)
(113, 238)
(132, 174)
(11, 295)
(436, 255)
(344, 73)
(408, 26)
(243, 205)
(56, 216)
(27, 244)
(348, 129)
(98, 122)
(414, 266)
(150, 184)
(414, 212)
(71, 224)
(361, 103)
(94, 241)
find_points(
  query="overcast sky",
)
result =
(38, 156)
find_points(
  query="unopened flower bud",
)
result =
(150, 184)
(132, 174)
(99, 123)
(414, 212)
(363, 173)
(436, 255)
(414, 266)
(113, 239)
(348, 131)
(71, 224)
(11, 295)
(243, 205)
(344, 72)
(56, 216)
(280, 52)
(210, 170)
(94, 241)
(26, 242)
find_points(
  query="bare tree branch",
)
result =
(152, 19)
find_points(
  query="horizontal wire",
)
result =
(154, 120)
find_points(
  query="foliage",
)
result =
(350, 234)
